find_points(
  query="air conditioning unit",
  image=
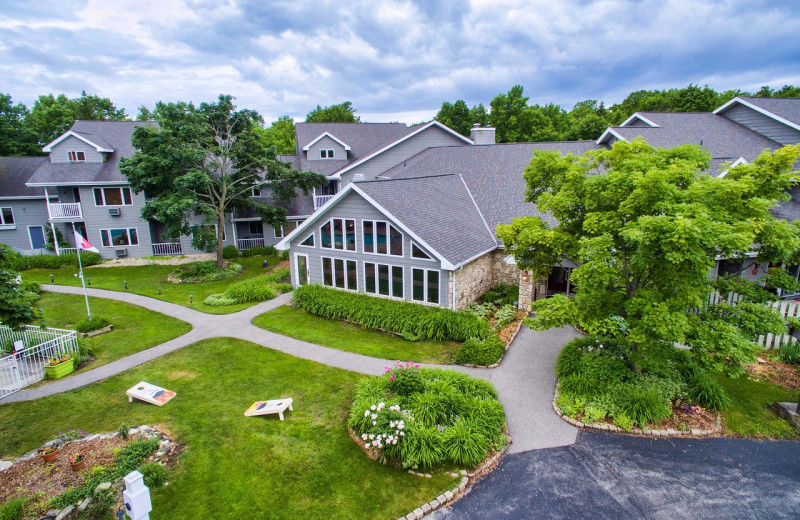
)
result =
(114, 212)
(121, 253)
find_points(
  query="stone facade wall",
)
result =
(503, 272)
(472, 280)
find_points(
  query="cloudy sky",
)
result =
(395, 60)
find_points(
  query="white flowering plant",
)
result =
(384, 429)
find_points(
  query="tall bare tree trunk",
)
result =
(220, 234)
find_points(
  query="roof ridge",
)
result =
(408, 178)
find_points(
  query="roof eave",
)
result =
(758, 109)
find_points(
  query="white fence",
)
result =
(167, 249)
(25, 365)
(245, 244)
(67, 251)
(66, 210)
(786, 308)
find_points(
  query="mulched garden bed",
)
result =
(776, 373)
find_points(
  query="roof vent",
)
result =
(482, 134)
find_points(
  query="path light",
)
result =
(51, 278)
(191, 297)
(159, 290)
(89, 282)
(125, 283)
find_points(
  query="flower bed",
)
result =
(419, 418)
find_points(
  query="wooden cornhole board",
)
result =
(275, 406)
(149, 394)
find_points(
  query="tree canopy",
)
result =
(17, 303)
(645, 226)
(205, 161)
(341, 113)
(281, 135)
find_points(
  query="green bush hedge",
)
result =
(503, 294)
(482, 352)
(230, 252)
(206, 272)
(250, 290)
(260, 251)
(17, 262)
(96, 323)
(423, 417)
(413, 321)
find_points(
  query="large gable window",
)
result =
(112, 197)
(339, 273)
(76, 156)
(386, 280)
(382, 238)
(339, 233)
(425, 285)
(119, 237)
(326, 153)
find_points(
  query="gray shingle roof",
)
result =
(114, 134)
(723, 138)
(439, 210)
(787, 108)
(15, 172)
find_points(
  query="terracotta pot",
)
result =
(49, 457)
(77, 465)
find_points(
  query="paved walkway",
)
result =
(525, 380)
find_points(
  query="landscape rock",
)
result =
(66, 513)
(84, 504)
(5, 464)
(102, 486)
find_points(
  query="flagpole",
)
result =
(83, 280)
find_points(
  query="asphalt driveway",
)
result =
(616, 477)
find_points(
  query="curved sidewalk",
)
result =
(525, 380)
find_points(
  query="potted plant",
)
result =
(49, 453)
(77, 461)
(56, 368)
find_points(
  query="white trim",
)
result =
(425, 284)
(30, 238)
(411, 249)
(28, 197)
(76, 152)
(734, 164)
(49, 147)
(337, 175)
(297, 269)
(65, 183)
(3, 224)
(609, 130)
(324, 134)
(111, 240)
(757, 109)
(641, 118)
(344, 235)
(103, 196)
(314, 217)
(313, 236)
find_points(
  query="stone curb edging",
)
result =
(463, 488)
(669, 432)
(510, 341)
(107, 328)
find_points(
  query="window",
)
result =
(339, 273)
(326, 153)
(256, 228)
(383, 279)
(381, 238)
(339, 233)
(76, 156)
(309, 241)
(282, 231)
(425, 285)
(255, 192)
(6, 216)
(416, 252)
(112, 197)
(119, 237)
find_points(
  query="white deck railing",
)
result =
(25, 366)
(167, 249)
(66, 210)
(67, 251)
(245, 244)
(320, 200)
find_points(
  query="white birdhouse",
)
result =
(137, 497)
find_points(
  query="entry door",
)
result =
(36, 234)
(302, 270)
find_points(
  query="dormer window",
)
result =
(76, 156)
(326, 153)
(255, 192)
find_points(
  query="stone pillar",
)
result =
(526, 290)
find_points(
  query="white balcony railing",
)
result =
(67, 251)
(245, 244)
(320, 200)
(167, 249)
(66, 210)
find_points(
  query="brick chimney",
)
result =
(482, 134)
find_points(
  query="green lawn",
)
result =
(299, 324)
(236, 466)
(748, 414)
(147, 279)
(135, 328)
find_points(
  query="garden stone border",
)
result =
(669, 432)
(97, 332)
(462, 489)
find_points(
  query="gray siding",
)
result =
(27, 212)
(339, 153)
(97, 218)
(432, 137)
(73, 144)
(762, 124)
(353, 206)
(638, 122)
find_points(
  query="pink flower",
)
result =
(391, 378)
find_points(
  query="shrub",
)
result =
(579, 384)
(623, 421)
(503, 294)
(483, 352)
(643, 405)
(218, 300)
(154, 474)
(30, 287)
(413, 321)
(481, 310)
(405, 378)
(422, 446)
(505, 315)
(19, 262)
(464, 444)
(13, 509)
(707, 391)
(790, 353)
(254, 251)
(89, 325)
(206, 272)
(283, 288)
(250, 290)
(230, 252)
(284, 254)
(279, 275)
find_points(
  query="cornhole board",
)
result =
(275, 406)
(149, 394)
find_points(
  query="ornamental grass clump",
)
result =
(415, 417)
